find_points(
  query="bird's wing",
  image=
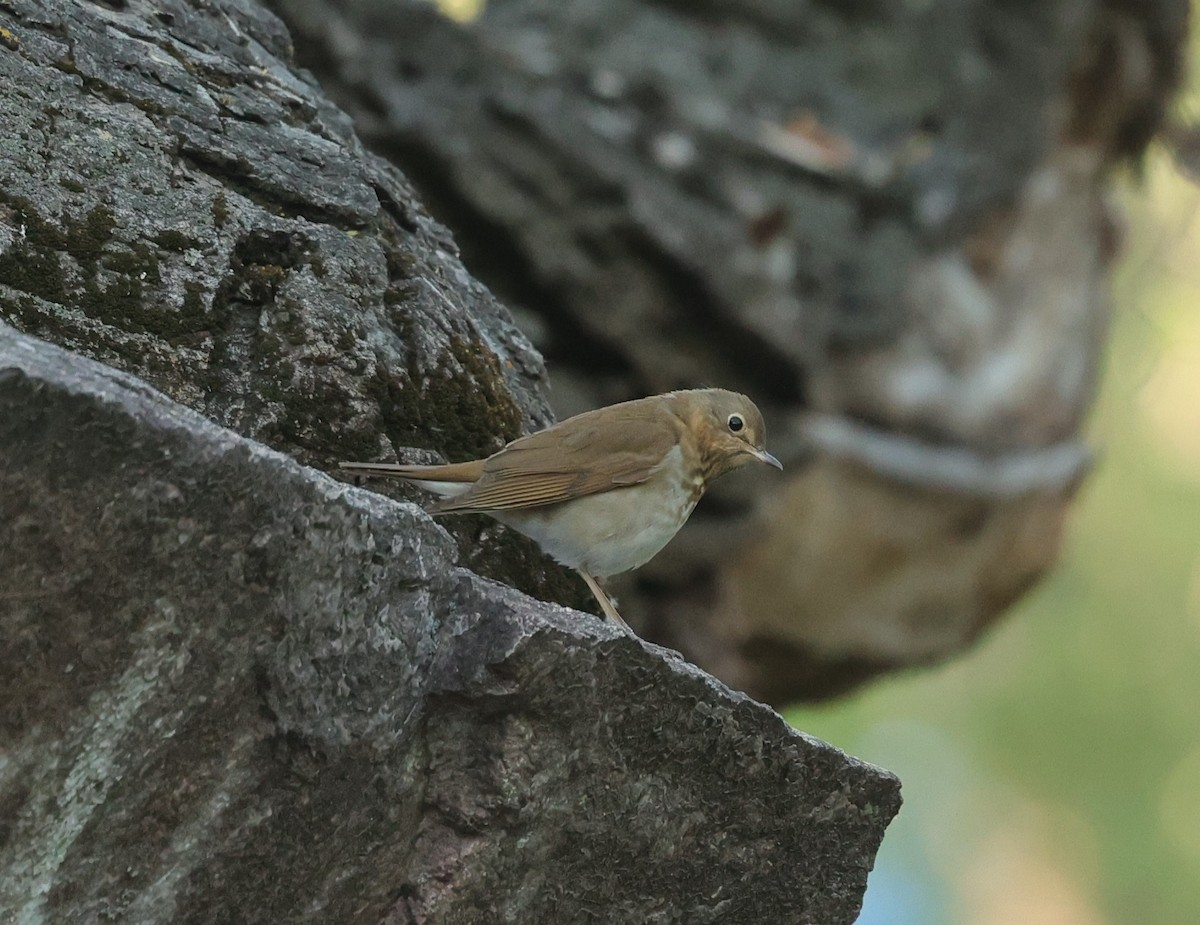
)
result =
(570, 460)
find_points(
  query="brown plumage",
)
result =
(603, 491)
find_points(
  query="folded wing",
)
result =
(570, 460)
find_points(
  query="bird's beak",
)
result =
(764, 456)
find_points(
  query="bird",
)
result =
(604, 491)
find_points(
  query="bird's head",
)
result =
(728, 430)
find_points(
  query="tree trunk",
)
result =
(885, 221)
(232, 689)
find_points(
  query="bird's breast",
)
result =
(614, 531)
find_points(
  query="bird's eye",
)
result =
(736, 423)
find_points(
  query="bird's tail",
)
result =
(446, 481)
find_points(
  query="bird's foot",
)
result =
(605, 602)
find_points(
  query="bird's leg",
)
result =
(603, 600)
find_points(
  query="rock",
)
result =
(178, 201)
(233, 689)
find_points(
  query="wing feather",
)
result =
(571, 460)
(531, 489)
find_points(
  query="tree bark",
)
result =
(885, 221)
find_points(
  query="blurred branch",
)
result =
(935, 467)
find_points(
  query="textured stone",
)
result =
(233, 689)
(178, 201)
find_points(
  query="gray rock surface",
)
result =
(234, 690)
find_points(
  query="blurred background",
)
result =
(1052, 775)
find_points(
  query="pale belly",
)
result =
(607, 533)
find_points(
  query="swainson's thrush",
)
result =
(604, 491)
